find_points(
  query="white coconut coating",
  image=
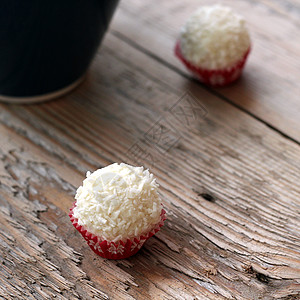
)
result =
(118, 202)
(214, 37)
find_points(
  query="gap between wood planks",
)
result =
(211, 90)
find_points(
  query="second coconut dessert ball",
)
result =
(214, 45)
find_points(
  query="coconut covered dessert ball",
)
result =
(214, 45)
(117, 209)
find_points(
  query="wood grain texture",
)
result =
(269, 87)
(230, 185)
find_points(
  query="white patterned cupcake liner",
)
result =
(119, 249)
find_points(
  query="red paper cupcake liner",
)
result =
(216, 78)
(115, 250)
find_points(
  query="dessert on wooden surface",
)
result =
(214, 45)
(117, 209)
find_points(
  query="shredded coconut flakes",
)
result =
(214, 37)
(118, 202)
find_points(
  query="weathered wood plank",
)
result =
(269, 88)
(230, 186)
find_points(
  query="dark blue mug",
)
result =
(47, 46)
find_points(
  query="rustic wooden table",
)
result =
(227, 160)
